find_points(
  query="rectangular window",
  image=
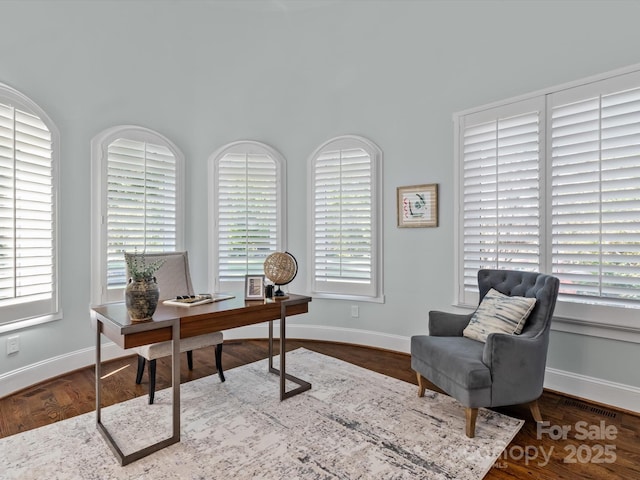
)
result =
(501, 193)
(552, 184)
(595, 175)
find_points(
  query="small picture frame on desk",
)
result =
(254, 287)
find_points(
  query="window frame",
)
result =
(19, 100)
(377, 278)
(242, 147)
(99, 177)
(585, 318)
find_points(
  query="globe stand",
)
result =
(279, 294)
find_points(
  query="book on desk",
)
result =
(193, 300)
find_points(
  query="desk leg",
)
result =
(175, 380)
(175, 373)
(303, 386)
(98, 372)
(271, 369)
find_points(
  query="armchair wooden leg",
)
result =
(421, 385)
(535, 411)
(471, 414)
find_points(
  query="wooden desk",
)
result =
(171, 323)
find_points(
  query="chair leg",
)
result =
(141, 361)
(152, 381)
(471, 414)
(535, 411)
(219, 361)
(421, 385)
(190, 359)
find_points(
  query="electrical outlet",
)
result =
(13, 344)
(355, 313)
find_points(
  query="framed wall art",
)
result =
(254, 287)
(418, 206)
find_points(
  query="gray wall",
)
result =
(293, 74)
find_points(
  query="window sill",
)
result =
(583, 319)
(29, 322)
(595, 329)
(617, 323)
(350, 298)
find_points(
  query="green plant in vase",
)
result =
(142, 293)
(138, 268)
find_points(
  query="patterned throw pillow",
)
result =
(499, 313)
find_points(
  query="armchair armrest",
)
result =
(517, 367)
(444, 324)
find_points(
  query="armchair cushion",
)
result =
(499, 313)
(455, 365)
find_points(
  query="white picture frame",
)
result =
(254, 287)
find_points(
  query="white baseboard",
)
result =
(29, 375)
(598, 390)
(330, 334)
(595, 389)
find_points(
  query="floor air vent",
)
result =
(589, 408)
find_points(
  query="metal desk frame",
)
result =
(168, 324)
(175, 385)
(303, 386)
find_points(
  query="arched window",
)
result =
(248, 205)
(345, 219)
(29, 158)
(138, 203)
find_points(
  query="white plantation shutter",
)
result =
(344, 224)
(501, 195)
(27, 214)
(595, 135)
(247, 191)
(585, 146)
(343, 216)
(141, 203)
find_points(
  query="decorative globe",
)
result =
(281, 268)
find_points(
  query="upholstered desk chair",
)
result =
(173, 279)
(483, 369)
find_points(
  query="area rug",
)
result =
(353, 424)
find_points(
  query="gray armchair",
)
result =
(505, 370)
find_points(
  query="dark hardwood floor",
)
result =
(529, 456)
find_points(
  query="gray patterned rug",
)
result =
(353, 424)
